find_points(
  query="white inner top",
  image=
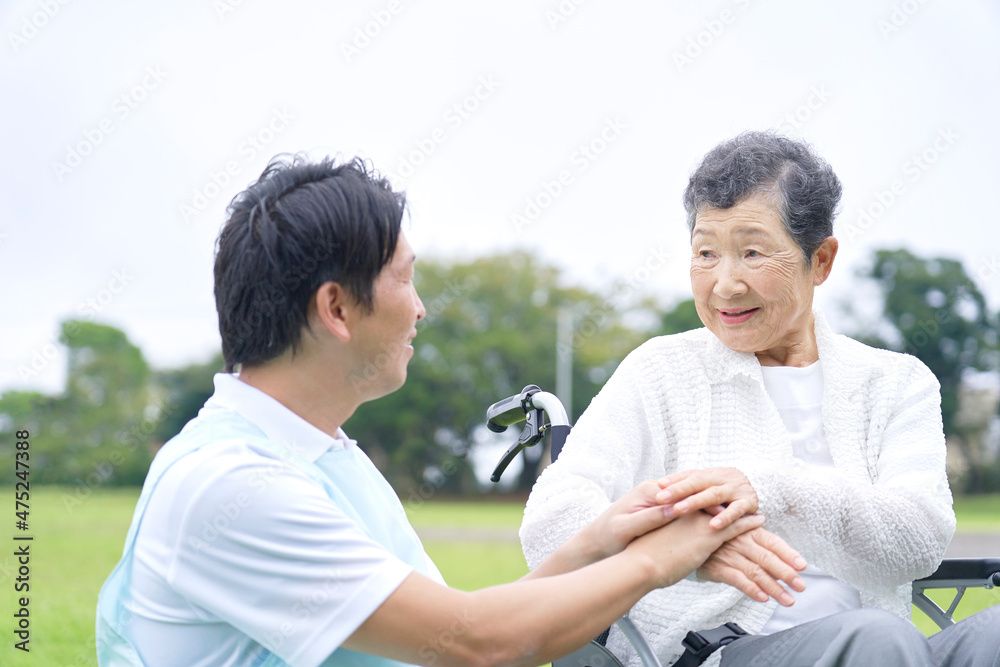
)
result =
(798, 395)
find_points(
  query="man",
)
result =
(264, 536)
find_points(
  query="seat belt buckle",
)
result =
(699, 645)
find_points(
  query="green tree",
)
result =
(78, 437)
(490, 329)
(934, 311)
(683, 317)
(180, 394)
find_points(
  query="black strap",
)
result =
(699, 645)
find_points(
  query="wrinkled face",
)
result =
(751, 284)
(387, 332)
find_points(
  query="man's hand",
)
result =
(677, 549)
(634, 514)
(754, 563)
(693, 490)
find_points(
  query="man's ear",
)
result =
(335, 309)
(823, 258)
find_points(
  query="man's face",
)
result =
(385, 335)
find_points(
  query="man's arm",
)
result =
(535, 620)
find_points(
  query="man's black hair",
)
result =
(301, 224)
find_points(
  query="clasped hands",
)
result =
(754, 560)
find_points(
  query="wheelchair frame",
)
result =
(533, 405)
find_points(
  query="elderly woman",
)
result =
(839, 445)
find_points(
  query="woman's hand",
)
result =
(677, 549)
(692, 490)
(754, 563)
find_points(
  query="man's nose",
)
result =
(421, 311)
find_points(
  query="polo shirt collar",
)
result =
(276, 421)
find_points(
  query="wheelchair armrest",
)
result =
(958, 574)
(967, 572)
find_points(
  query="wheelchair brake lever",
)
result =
(531, 434)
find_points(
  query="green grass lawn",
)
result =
(978, 514)
(76, 545)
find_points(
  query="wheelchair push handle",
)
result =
(532, 405)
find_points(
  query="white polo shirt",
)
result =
(240, 549)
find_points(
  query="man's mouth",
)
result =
(736, 315)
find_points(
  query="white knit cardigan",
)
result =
(877, 520)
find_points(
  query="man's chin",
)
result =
(386, 387)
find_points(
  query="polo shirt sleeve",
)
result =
(263, 548)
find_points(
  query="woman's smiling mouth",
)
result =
(734, 316)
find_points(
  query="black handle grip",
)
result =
(508, 411)
(503, 413)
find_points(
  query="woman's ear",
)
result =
(822, 261)
(335, 309)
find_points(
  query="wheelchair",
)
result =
(543, 414)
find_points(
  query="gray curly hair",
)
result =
(806, 190)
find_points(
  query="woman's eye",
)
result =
(753, 253)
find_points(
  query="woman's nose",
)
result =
(729, 281)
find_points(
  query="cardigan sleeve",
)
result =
(881, 533)
(602, 460)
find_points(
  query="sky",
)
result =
(565, 127)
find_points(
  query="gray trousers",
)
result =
(872, 637)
